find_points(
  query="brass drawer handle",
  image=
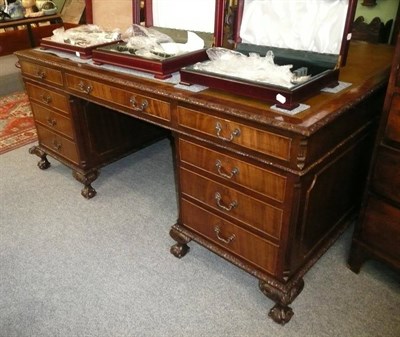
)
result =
(41, 74)
(56, 145)
(138, 107)
(228, 208)
(86, 88)
(51, 121)
(46, 98)
(234, 171)
(228, 240)
(234, 133)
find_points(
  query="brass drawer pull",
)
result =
(86, 88)
(228, 240)
(41, 74)
(56, 145)
(234, 171)
(52, 122)
(234, 133)
(228, 208)
(46, 98)
(138, 107)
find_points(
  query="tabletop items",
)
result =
(18, 9)
(284, 53)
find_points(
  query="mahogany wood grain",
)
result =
(261, 253)
(49, 97)
(233, 170)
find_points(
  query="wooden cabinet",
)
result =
(81, 134)
(267, 191)
(18, 34)
(377, 233)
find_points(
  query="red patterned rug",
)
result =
(17, 127)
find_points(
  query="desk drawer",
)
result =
(256, 214)
(57, 144)
(233, 170)
(128, 99)
(386, 175)
(42, 73)
(54, 121)
(259, 252)
(48, 97)
(235, 133)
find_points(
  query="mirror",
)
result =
(190, 15)
(107, 14)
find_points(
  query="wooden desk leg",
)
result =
(30, 34)
(181, 248)
(357, 257)
(86, 179)
(43, 163)
(281, 312)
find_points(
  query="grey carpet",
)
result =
(10, 76)
(102, 268)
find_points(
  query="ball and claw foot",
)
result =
(281, 314)
(86, 179)
(88, 192)
(179, 250)
(43, 163)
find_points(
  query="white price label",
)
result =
(280, 98)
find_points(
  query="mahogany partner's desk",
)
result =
(266, 191)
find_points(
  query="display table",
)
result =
(269, 192)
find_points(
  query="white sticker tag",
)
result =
(349, 35)
(280, 98)
(78, 54)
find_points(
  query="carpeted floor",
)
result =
(10, 75)
(17, 127)
(71, 267)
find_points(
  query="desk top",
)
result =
(367, 70)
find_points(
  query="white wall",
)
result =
(384, 9)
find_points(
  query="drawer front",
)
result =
(42, 73)
(381, 227)
(48, 97)
(239, 172)
(236, 133)
(254, 213)
(259, 252)
(128, 99)
(54, 121)
(393, 124)
(58, 144)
